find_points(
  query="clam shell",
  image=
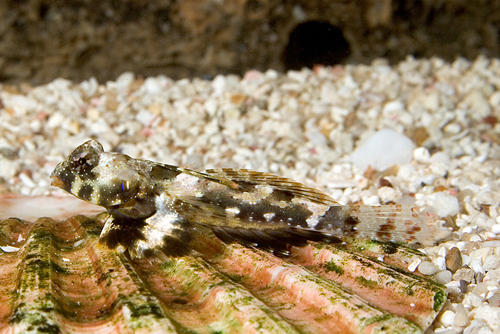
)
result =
(55, 277)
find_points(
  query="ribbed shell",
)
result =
(55, 277)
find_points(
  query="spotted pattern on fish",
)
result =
(153, 206)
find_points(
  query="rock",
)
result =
(382, 150)
(427, 268)
(422, 155)
(453, 259)
(489, 314)
(461, 318)
(471, 299)
(463, 286)
(443, 277)
(440, 262)
(447, 318)
(496, 228)
(465, 274)
(444, 204)
(476, 265)
(491, 262)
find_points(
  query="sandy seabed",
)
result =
(304, 125)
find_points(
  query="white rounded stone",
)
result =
(443, 277)
(427, 268)
(496, 228)
(382, 150)
(447, 318)
(444, 204)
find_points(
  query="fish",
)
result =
(154, 207)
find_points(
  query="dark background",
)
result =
(42, 40)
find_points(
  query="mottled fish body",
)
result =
(154, 206)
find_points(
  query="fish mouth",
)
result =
(56, 181)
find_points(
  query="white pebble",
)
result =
(406, 171)
(442, 251)
(371, 200)
(477, 327)
(427, 268)
(55, 120)
(26, 180)
(444, 204)
(422, 155)
(476, 265)
(481, 253)
(461, 318)
(93, 114)
(447, 318)
(382, 150)
(479, 106)
(441, 157)
(8, 169)
(492, 243)
(496, 227)
(476, 238)
(452, 128)
(492, 262)
(465, 259)
(467, 229)
(461, 222)
(123, 82)
(89, 86)
(440, 263)
(145, 117)
(152, 86)
(443, 277)
(393, 106)
(413, 266)
(439, 168)
(489, 314)
(495, 99)
(389, 194)
(431, 100)
(471, 299)
(219, 84)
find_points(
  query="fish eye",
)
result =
(82, 164)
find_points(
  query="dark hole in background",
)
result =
(313, 43)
